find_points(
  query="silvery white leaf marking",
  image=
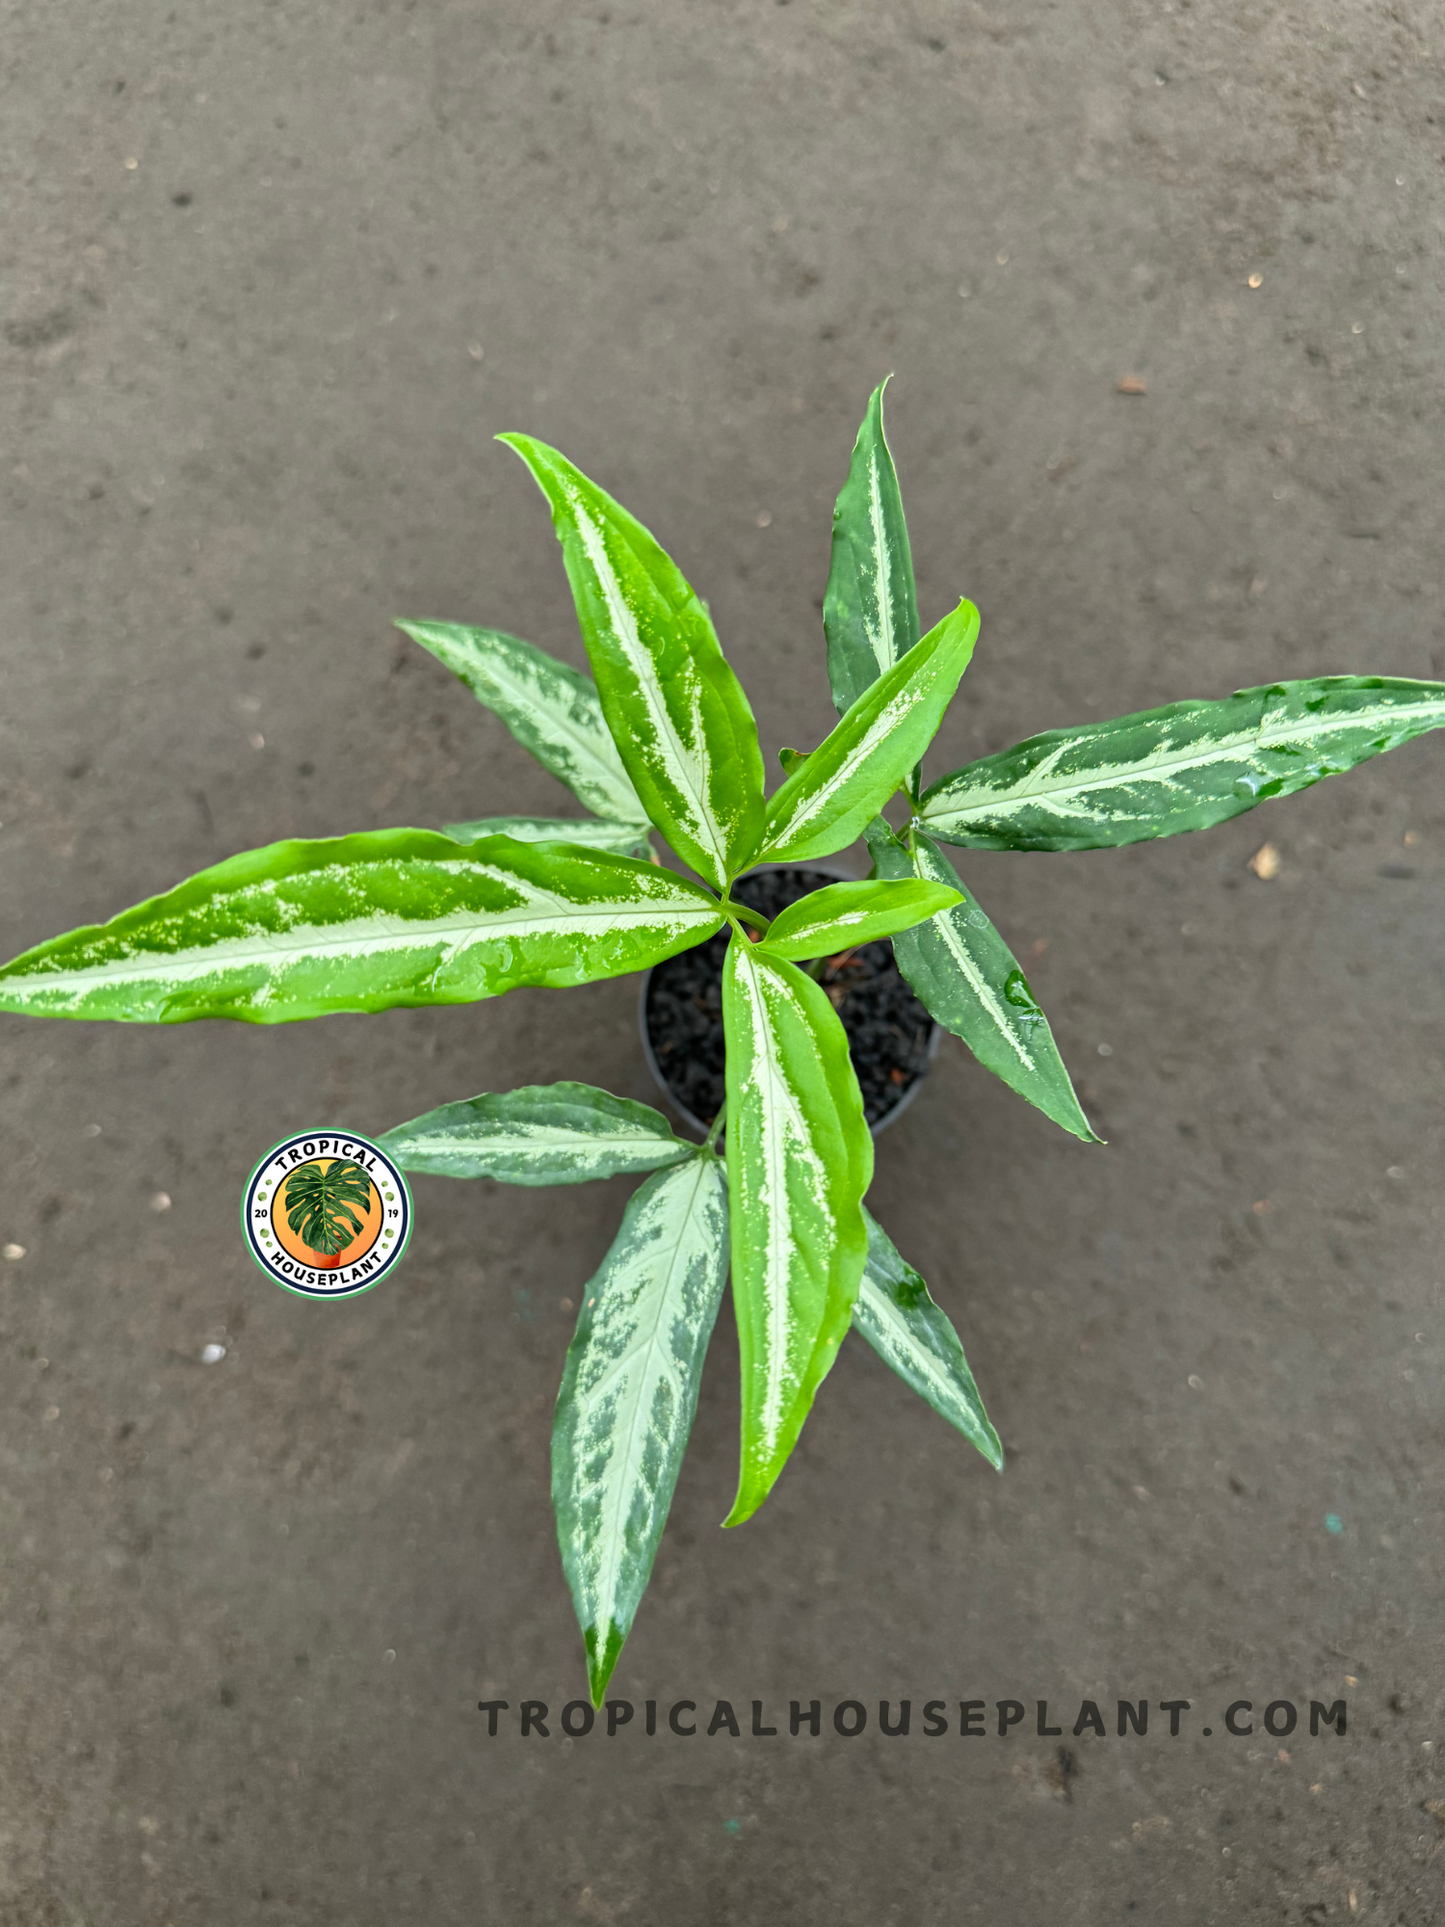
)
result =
(678, 714)
(787, 1144)
(946, 926)
(564, 1133)
(878, 620)
(629, 1393)
(829, 797)
(534, 913)
(815, 804)
(965, 975)
(897, 1315)
(552, 709)
(1179, 768)
(684, 759)
(246, 941)
(586, 832)
(870, 609)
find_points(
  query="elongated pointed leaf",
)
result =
(590, 832)
(898, 1317)
(363, 923)
(799, 1162)
(549, 707)
(870, 608)
(843, 915)
(676, 710)
(1184, 767)
(541, 1134)
(966, 976)
(629, 1392)
(830, 798)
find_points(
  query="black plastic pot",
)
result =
(892, 1038)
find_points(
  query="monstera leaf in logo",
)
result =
(318, 1206)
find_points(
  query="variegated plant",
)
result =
(662, 738)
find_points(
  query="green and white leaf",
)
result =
(799, 1162)
(550, 708)
(844, 915)
(898, 1317)
(362, 923)
(966, 976)
(844, 783)
(870, 607)
(1184, 767)
(590, 832)
(540, 1134)
(675, 709)
(628, 1396)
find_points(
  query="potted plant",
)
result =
(663, 739)
(321, 1205)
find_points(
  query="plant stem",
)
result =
(740, 913)
(716, 1132)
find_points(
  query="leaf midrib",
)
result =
(416, 933)
(777, 1173)
(594, 542)
(516, 693)
(881, 641)
(616, 1539)
(1031, 788)
(535, 1147)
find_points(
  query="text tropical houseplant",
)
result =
(664, 739)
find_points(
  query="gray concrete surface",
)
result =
(271, 277)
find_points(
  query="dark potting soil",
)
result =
(888, 1029)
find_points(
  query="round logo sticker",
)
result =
(326, 1215)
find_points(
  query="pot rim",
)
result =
(935, 1034)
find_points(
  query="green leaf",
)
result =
(799, 1162)
(541, 1134)
(318, 1201)
(629, 1392)
(676, 710)
(1184, 767)
(363, 923)
(591, 833)
(870, 608)
(842, 786)
(897, 1316)
(549, 707)
(792, 759)
(844, 915)
(966, 976)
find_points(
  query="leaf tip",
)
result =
(602, 1661)
(745, 1504)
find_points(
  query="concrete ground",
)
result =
(271, 277)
